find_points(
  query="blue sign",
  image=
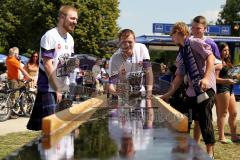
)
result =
(168, 28)
(157, 28)
(211, 29)
(219, 30)
(162, 28)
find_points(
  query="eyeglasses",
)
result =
(35, 56)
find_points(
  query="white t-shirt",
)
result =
(122, 124)
(73, 75)
(133, 65)
(140, 53)
(58, 49)
(64, 149)
(96, 70)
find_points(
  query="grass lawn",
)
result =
(226, 151)
(12, 141)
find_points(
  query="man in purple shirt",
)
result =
(199, 69)
(199, 26)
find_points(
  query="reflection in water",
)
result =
(126, 127)
(94, 141)
(132, 131)
(127, 147)
(64, 149)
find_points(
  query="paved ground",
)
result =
(19, 125)
(13, 125)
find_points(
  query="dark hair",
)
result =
(228, 60)
(104, 63)
(201, 20)
(31, 58)
(222, 46)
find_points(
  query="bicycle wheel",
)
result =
(5, 110)
(16, 109)
(27, 101)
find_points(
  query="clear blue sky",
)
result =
(140, 14)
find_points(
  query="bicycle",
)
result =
(26, 99)
(21, 106)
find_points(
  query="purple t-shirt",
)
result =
(201, 51)
(214, 47)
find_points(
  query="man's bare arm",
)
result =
(149, 80)
(112, 89)
(175, 85)
(209, 65)
(51, 73)
(209, 69)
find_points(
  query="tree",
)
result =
(22, 23)
(97, 24)
(8, 21)
(230, 14)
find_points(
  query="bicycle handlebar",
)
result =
(26, 81)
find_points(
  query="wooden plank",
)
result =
(52, 123)
(48, 141)
(177, 120)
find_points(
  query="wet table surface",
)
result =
(126, 131)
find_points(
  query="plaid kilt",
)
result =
(45, 104)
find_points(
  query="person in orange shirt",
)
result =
(13, 66)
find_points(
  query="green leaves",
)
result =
(97, 24)
(22, 23)
(230, 14)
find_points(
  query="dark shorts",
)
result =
(202, 112)
(221, 88)
(45, 104)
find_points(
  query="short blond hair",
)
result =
(13, 51)
(181, 28)
(64, 10)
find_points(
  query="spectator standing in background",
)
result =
(32, 68)
(226, 102)
(13, 67)
(96, 70)
(199, 27)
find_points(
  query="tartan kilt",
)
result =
(44, 105)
